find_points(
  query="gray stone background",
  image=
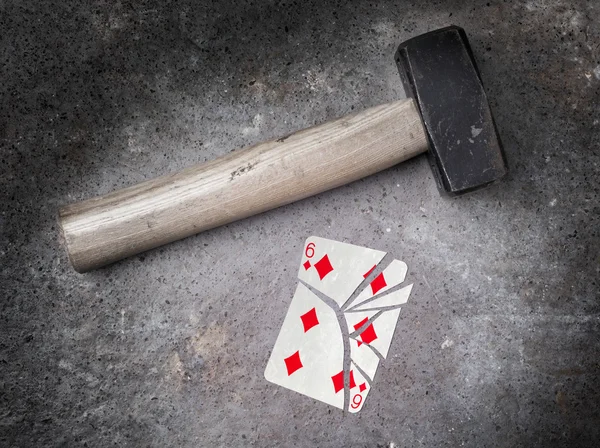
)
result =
(500, 342)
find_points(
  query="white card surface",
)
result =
(311, 342)
(378, 334)
(396, 298)
(364, 358)
(359, 389)
(336, 269)
(391, 276)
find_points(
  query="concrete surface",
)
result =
(500, 344)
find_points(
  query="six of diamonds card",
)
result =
(332, 340)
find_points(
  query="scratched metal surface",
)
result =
(500, 342)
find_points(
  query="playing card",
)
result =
(308, 356)
(336, 269)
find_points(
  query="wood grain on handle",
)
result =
(105, 229)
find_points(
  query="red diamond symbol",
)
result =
(323, 267)
(338, 381)
(306, 265)
(362, 387)
(293, 363)
(378, 283)
(369, 271)
(368, 335)
(309, 319)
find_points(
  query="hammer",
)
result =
(447, 115)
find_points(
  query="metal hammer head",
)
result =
(438, 70)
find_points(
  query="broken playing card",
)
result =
(329, 347)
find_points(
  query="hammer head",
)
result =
(438, 70)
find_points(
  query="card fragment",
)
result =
(309, 350)
(391, 276)
(394, 299)
(336, 269)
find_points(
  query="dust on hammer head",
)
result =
(439, 72)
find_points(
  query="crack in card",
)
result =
(329, 347)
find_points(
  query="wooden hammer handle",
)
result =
(105, 229)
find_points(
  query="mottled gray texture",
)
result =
(500, 343)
